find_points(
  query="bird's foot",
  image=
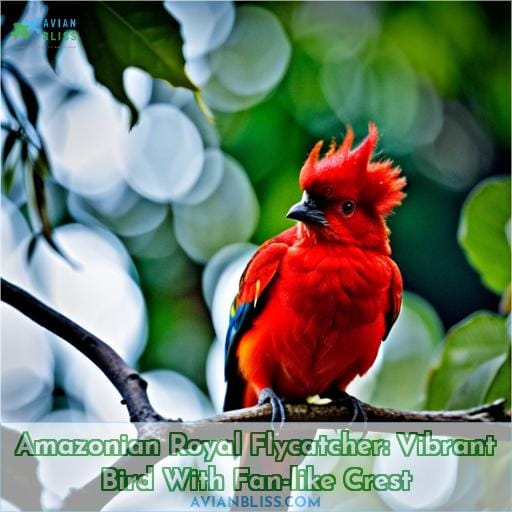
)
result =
(351, 403)
(269, 396)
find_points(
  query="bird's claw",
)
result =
(269, 396)
(352, 404)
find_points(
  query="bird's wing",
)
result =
(248, 303)
(395, 297)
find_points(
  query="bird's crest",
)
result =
(348, 173)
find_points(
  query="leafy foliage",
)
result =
(27, 94)
(32, 154)
(116, 35)
(482, 232)
(408, 352)
(473, 365)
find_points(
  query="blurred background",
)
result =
(154, 224)
(160, 220)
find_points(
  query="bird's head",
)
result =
(347, 196)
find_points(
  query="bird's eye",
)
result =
(348, 208)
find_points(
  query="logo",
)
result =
(24, 30)
(54, 30)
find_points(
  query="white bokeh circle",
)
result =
(255, 57)
(85, 142)
(204, 25)
(164, 154)
(227, 216)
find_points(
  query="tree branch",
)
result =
(334, 413)
(133, 391)
(132, 386)
(126, 380)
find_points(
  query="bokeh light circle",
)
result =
(85, 140)
(256, 55)
(228, 215)
(164, 154)
(204, 25)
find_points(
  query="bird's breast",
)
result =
(327, 313)
(333, 283)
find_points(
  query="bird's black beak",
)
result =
(307, 211)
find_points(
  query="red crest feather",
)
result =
(349, 173)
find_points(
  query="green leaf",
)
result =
(401, 378)
(500, 387)
(473, 353)
(116, 35)
(482, 232)
(9, 142)
(37, 170)
(474, 389)
(36, 197)
(427, 314)
(31, 249)
(8, 175)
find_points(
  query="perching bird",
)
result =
(315, 302)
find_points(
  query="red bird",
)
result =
(316, 301)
